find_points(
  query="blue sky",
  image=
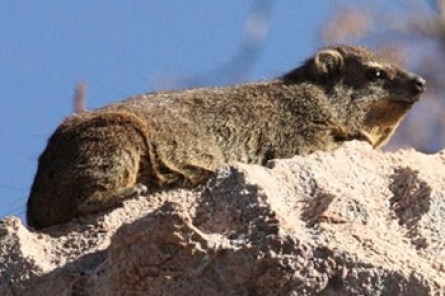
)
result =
(120, 48)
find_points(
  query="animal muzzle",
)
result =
(413, 87)
(418, 85)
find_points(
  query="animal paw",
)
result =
(140, 189)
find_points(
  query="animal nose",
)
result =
(419, 85)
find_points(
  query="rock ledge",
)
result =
(352, 222)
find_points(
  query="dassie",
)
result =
(96, 160)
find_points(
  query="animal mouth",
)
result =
(407, 101)
(409, 104)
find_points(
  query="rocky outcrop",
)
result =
(352, 222)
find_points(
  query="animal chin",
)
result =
(378, 135)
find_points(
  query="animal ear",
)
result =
(328, 62)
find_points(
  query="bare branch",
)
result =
(347, 23)
(79, 98)
(240, 65)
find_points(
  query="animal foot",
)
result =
(140, 189)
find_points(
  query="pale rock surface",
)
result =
(352, 222)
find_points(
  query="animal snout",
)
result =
(419, 85)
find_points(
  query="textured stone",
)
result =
(352, 222)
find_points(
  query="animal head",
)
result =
(371, 93)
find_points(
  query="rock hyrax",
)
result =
(96, 160)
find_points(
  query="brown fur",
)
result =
(96, 160)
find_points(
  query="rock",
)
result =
(352, 222)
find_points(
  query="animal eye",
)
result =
(374, 74)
